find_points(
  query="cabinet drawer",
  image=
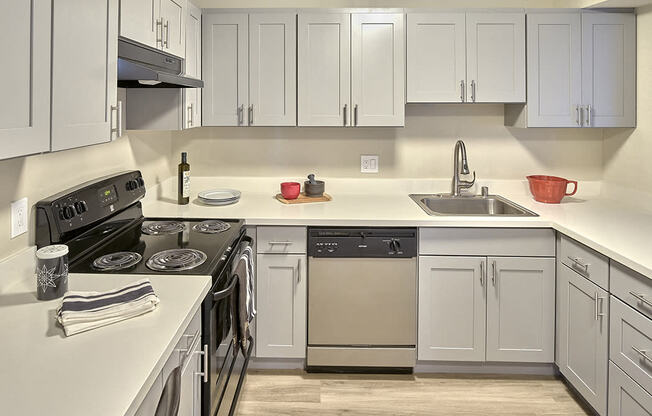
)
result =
(632, 288)
(585, 261)
(520, 242)
(281, 240)
(626, 398)
(630, 343)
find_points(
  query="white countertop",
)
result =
(617, 229)
(106, 371)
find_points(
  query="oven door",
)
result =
(227, 365)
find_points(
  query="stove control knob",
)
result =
(141, 181)
(394, 246)
(68, 212)
(81, 207)
(131, 185)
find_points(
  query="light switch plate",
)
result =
(369, 163)
(19, 217)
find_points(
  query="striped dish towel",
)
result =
(82, 311)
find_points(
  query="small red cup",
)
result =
(550, 189)
(290, 190)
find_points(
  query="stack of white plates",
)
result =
(219, 197)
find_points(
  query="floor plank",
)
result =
(290, 393)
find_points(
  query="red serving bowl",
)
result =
(290, 190)
(550, 189)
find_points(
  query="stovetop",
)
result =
(147, 238)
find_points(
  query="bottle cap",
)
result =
(184, 157)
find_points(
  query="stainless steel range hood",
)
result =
(140, 66)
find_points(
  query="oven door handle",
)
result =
(225, 293)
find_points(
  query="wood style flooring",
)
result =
(297, 393)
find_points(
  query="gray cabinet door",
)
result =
(84, 72)
(521, 309)
(25, 51)
(626, 398)
(225, 69)
(554, 65)
(281, 305)
(139, 21)
(582, 329)
(609, 69)
(173, 16)
(451, 308)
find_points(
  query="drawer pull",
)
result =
(641, 298)
(579, 264)
(284, 243)
(642, 353)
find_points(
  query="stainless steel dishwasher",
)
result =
(362, 299)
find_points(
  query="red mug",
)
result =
(550, 189)
(290, 190)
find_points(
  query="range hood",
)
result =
(140, 66)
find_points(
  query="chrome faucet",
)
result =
(459, 184)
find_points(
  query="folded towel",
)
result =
(246, 309)
(82, 311)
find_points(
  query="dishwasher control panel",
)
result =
(362, 242)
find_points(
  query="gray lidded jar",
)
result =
(51, 271)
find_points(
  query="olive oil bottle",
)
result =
(184, 180)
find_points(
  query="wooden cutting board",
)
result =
(303, 199)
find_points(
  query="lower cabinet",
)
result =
(626, 397)
(582, 331)
(486, 309)
(281, 306)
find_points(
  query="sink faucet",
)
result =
(459, 184)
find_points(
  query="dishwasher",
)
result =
(362, 299)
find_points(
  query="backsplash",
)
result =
(422, 149)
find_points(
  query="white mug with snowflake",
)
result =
(51, 271)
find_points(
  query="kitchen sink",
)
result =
(471, 205)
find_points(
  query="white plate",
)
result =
(220, 195)
(218, 203)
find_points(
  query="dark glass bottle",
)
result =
(184, 180)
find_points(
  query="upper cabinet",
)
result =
(84, 91)
(377, 69)
(581, 70)
(495, 57)
(249, 68)
(466, 57)
(272, 69)
(324, 69)
(25, 47)
(156, 23)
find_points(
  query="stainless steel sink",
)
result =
(472, 205)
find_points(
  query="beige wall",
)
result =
(423, 148)
(628, 152)
(39, 176)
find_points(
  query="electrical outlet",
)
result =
(369, 163)
(19, 217)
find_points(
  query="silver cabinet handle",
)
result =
(205, 370)
(190, 115)
(344, 113)
(355, 115)
(598, 306)
(642, 353)
(251, 114)
(299, 270)
(462, 93)
(118, 119)
(482, 273)
(579, 264)
(577, 115)
(493, 272)
(588, 115)
(167, 34)
(159, 30)
(285, 243)
(240, 111)
(473, 90)
(641, 298)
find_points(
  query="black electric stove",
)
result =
(102, 224)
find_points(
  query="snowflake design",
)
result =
(45, 278)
